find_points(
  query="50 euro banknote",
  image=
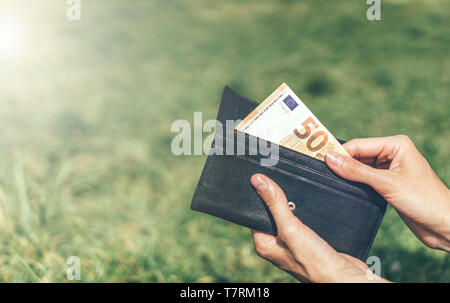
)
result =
(285, 120)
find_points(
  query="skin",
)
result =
(397, 171)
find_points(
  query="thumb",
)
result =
(354, 170)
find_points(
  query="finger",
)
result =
(367, 147)
(268, 246)
(426, 235)
(369, 161)
(307, 247)
(353, 170)
(274, 250)
(356, 262)
(275, 200)
(290, 229)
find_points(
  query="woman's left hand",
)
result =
(297, 249)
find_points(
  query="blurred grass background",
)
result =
(86, 108)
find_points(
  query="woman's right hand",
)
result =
(398, 171)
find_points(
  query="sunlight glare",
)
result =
(11, 37)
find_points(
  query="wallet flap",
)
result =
(233, 106)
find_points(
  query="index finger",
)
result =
(307, 247)
(274, 198)
(367, 147)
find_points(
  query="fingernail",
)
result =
(335, 158)
(259, 183)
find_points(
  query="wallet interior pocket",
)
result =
(301, 166)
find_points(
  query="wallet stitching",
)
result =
(380, 219)
(301, 166)
(313, 171)
(294, 163)
(202, 176)
(311, 181)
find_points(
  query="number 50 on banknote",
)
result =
(284, 119)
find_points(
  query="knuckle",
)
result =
(271, 201)
(289, 231)
(350, 146)
(436, 242)
(262, 250)
(404, 140)
(431, 242)
(391, 178)
(353, 141)
(353, 166)
(271, 198)
(446, 237)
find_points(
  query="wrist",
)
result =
(348, 273)
(350, 270)
(444, 225)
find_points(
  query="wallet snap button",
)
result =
(291, 205)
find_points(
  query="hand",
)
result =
(397, 171)
(299, 250)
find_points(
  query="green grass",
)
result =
(86, 109)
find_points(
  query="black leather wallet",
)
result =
(346, 214)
